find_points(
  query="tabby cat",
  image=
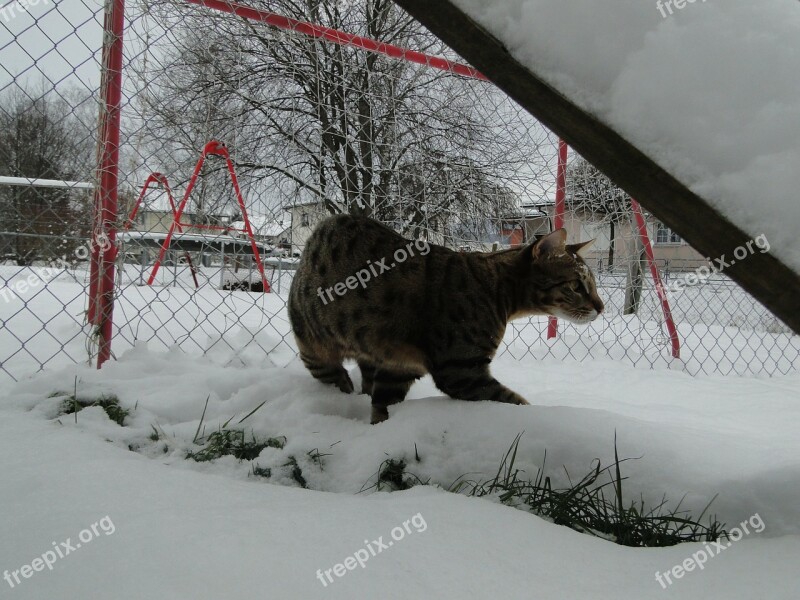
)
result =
(402, 309)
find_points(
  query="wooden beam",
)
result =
(763, 275)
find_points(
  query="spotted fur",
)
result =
(439, 312)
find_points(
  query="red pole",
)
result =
(247, 228)
(161, 179)
(558, 217)
(212, 148)
(151, 179)
(179, 213)
(340, 37)
(662, 294)
(104, 250)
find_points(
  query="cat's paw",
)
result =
(379, 414)
(518, 400)
(345, 384)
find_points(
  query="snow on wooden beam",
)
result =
(763, 275)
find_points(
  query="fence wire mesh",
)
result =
(315, 124)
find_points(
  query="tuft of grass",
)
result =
(234, 442)
(393, 476)
(316, 457)
(251, 413)
(594, 505)
(202, 418)
(297, 472)
(261, 471)
(108, 402)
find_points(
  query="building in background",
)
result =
(303, 218)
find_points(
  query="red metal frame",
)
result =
(558, 217)
(101, 287)
(558, 223)
(340, 37)
(161, 179)
(212, 148)
(662, 294)
(101, 282)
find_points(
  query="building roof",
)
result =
(707, 198)
(302, 203)
(264, 226)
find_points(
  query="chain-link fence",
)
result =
(240, 127)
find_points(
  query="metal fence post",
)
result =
(558, 218)
(101, 290)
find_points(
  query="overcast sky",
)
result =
(28, 42)
(59, 42)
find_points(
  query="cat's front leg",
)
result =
(473, 383)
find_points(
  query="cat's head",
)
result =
(560, 282)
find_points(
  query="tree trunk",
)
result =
(612, 236)
(633, 286)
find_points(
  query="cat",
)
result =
(405, 308)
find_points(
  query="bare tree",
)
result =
(592, 195)
(362, 133)
(46, 136)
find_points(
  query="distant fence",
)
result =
(319, 118)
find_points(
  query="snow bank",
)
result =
(208, 530)
(710, 91)
(737, 336)
(185, 535)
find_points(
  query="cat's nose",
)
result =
(598, 305)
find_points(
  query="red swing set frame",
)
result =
(101, 296)
(212, 148)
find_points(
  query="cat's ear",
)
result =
(580, 249)
(551, 244)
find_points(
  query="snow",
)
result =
(184, 529)
(57, 183)
(208, 530)
(265, 226)
(177, 236)
(734, 336)
(710, 91)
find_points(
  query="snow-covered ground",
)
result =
(139, 520)
(183, 529)
(709, 90)
(721, 328)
